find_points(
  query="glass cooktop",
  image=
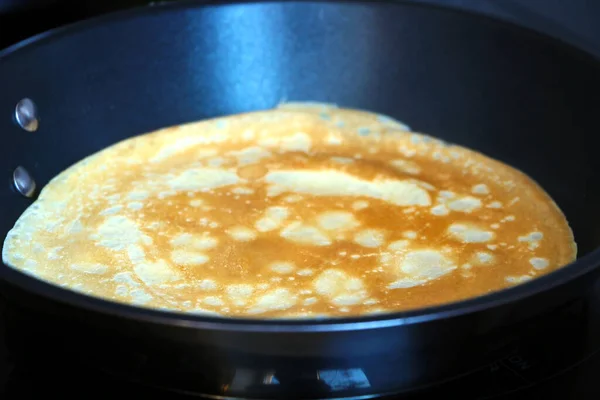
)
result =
(520, 376)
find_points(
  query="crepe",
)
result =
(303, 211)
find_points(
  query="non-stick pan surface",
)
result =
(516, 95)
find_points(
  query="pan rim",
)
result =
(158, 7)
(567, 273)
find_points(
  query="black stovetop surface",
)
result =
(529, 371)
(511, 378)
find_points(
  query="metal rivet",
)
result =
(23, 182)
(26, 115)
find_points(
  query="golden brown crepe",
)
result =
(306, 210)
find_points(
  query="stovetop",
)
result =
(569, 370)
(513, 378)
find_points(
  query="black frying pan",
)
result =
(511, 93)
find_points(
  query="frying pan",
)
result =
(511, 93)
